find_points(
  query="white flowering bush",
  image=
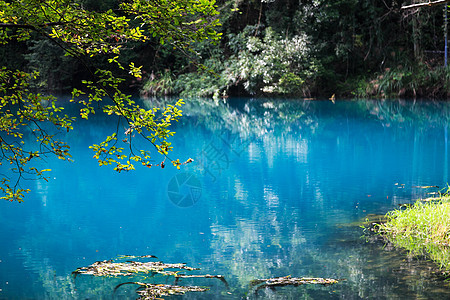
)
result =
(272, 64)
(262, 64)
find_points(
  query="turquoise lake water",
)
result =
(277, 188)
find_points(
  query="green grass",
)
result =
(423, 229)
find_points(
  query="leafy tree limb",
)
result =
(84, 34)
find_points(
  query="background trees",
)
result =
(351, 48)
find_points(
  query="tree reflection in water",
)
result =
(295, 172)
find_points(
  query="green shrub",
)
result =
(291, 84)
(161, 85)
(262, 65)
(270, 64)
(422, 229)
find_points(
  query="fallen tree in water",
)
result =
(129, 268)
(110, 268)
(259, 284)
(148, 291)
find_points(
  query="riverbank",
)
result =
(409, 81)
(423, 229)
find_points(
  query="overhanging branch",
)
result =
(28, 26)
(429, 3)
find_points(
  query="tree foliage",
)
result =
(85, 31)
(348, 45)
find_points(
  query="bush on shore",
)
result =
(423, 229)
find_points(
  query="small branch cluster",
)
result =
(23, 113)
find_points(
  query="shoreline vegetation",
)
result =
(423, 229)
(410, 82)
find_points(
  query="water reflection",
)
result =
(278, 179)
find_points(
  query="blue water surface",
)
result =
(277, 188)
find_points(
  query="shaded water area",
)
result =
(277, 188)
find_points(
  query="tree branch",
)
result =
(28, 26)
(429, 3)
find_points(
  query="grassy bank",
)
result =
(413, 80)
(423, 229)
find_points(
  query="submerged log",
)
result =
(148, 291)
(220, 277)
(129, 268)
(290, 281)
(108, 268)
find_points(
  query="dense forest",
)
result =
(304, 48)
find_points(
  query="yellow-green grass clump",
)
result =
(422, 229)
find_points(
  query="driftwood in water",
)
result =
(289, 281)
(147, 291)
(109, 268)
(220, 277)
(129, 268)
